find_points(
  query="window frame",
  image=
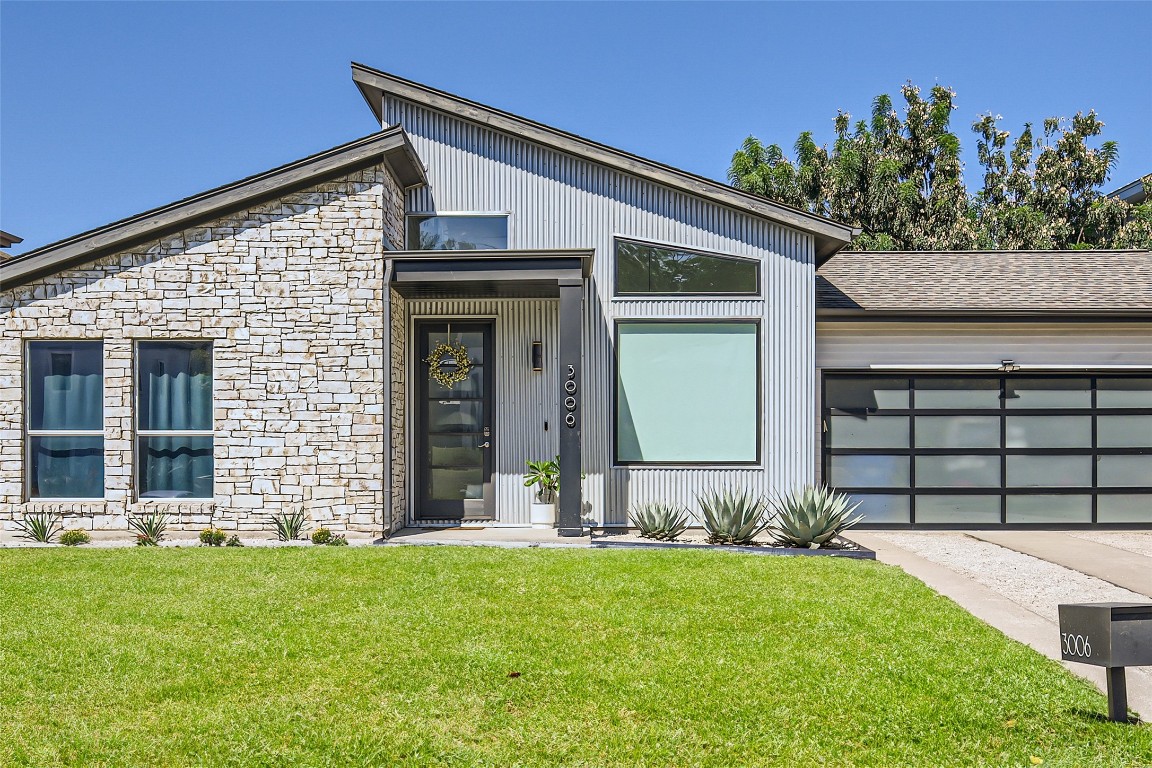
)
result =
(757, 323)
(1004, 491)
(30, 433)
(506, 215)
(620, 294)
(137, 438)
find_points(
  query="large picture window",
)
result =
(652, 269)
(964, 450)
(65, 424)
(174, 419)
(458, 232)
(687, 392)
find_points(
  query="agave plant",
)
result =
(733, 517)
(663, 522)
(811, 516)
(39, 526)
(149, 528)
(288, 525)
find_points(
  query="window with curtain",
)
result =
(687, 392)
(174, 419)
(65, 425)
(652, 269)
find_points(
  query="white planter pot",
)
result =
(542, 515)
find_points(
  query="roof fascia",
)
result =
(981, 316)
(391, 145)
(830, 236)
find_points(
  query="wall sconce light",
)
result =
(537, 356)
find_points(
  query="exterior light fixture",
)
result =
(1008, 366)
(537, 356)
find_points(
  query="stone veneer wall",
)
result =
(291, 293)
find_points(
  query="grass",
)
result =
(369, 656)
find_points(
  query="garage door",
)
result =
(948, 450)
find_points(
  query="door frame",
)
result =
(412, 419)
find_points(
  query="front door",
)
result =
(454, 372)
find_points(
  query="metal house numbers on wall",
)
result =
(570, 388)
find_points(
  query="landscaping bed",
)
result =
(467, 655)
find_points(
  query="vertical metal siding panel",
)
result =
(559, 201)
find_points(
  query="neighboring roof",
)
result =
(1133, 194)
(830, 236)
(8, 239)
(879, 283)
(390, 145)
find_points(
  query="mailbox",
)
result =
(1112, 635)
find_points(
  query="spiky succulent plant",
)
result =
(733, 517)
(663, 522)
(39, 526)
(813, 515)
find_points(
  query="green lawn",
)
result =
(361, 656)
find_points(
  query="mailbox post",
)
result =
(1110, 635)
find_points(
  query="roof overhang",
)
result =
(390, 146)
(494, 274)
(829, 236)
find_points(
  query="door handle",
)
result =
(485, 445)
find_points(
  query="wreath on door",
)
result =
(449, 364)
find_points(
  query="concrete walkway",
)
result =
(1014, 620)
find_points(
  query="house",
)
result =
(384, 332)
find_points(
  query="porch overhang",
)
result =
(492, 274)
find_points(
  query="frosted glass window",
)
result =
(869, 431)
(976, 394)
(458, 233)
(867, 471)
(882, 507)
(1124, 471)
(1124, 431)
(958, 471)
(866, 395)
(1124, 508)
(1048, 393)
(65, 427)
(174, 419)
(1048, 508)
(687, 392)
(1049, 471)
(957, 509)
(1124, 393)
(1048, 431)
(957, 431)
(642, 269)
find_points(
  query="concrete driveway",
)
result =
(1014, 580)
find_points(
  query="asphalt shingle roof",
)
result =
(987, 281)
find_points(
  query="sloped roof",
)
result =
(986, 282)
(830, 236)
(390, 145)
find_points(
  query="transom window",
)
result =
(687, 392)
(987, 450)
(65, 424)
(458, 232)
(174, 419)
(653, 269)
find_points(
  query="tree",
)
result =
(901, 181)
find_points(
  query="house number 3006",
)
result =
(1076, 645)
(570, 388)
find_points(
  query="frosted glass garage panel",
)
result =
(957, 509)
(1124, 508)
(1048, 508)
(1124, 431)
(882, 507)
(960, 431)
(1047, 393)
(975, 394)
(687, 392)
(870, 471)
(1124, 393)
(866, 431)
(866, 395)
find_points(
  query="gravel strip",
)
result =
(1137, 542)
(1030, 582)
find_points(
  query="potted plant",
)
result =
(545, 476)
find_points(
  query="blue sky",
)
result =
(108, 109)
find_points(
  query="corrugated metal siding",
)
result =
(557, 201)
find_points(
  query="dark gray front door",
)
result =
(454, 424)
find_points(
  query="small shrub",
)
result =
(288, 525)
(812, 516)
(212, 537)
(663, 522)
(39, 526)
(234, 541)
(338, 541)
(75, 537)
(732, 517)
(150, 528)
(321, 536)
